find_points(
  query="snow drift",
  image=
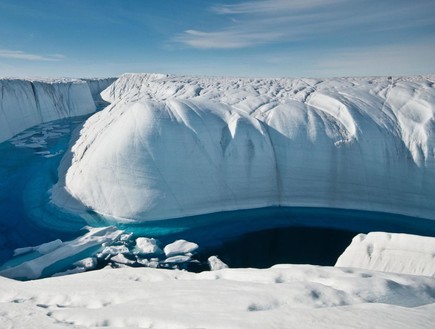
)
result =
(25, 103)
(400, 253)
(173, 146)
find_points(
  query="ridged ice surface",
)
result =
(172, 146)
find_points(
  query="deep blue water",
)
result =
(255, 238)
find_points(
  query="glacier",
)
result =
(27, 102)
(174, 146)
(170, 147)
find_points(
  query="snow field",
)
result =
(301, 296)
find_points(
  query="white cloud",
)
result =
(21, 55)
(260, 22)
(272, 6)
(255, 23)
(226, 39)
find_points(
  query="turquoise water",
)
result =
(256, 237)
(28, 169)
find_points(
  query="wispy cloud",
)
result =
(272, 6)
(21, 55)
(226, 39)
(267, 21)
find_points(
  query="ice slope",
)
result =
(173, 146)
(28, 102)
(284, 296)
(401, 253)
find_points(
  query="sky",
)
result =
(261, 38)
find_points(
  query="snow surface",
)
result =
(401, 253)
(285, 296)
(174, 146)
(27, 102)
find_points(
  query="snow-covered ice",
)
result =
(401, 253)
(174, 146)
(285, 296)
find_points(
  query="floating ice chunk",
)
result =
(89, 263)
(147, 246)
(390, 252)
(178, 259)
(115, 250)
(153, 262)
(58, 259)
(121, 259)
(42, 249)
(216, 264)
(125, 237)
(180, 247)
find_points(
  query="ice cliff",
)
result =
(97, 85)
(171, 146)
(25, 102)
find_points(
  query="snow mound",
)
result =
(388, 252)
(170, 147)
(287, 296)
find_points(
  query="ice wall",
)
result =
(173, 146)
(25, 103)
(400, 253)
(97, 85)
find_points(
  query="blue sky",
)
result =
(293, 38)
